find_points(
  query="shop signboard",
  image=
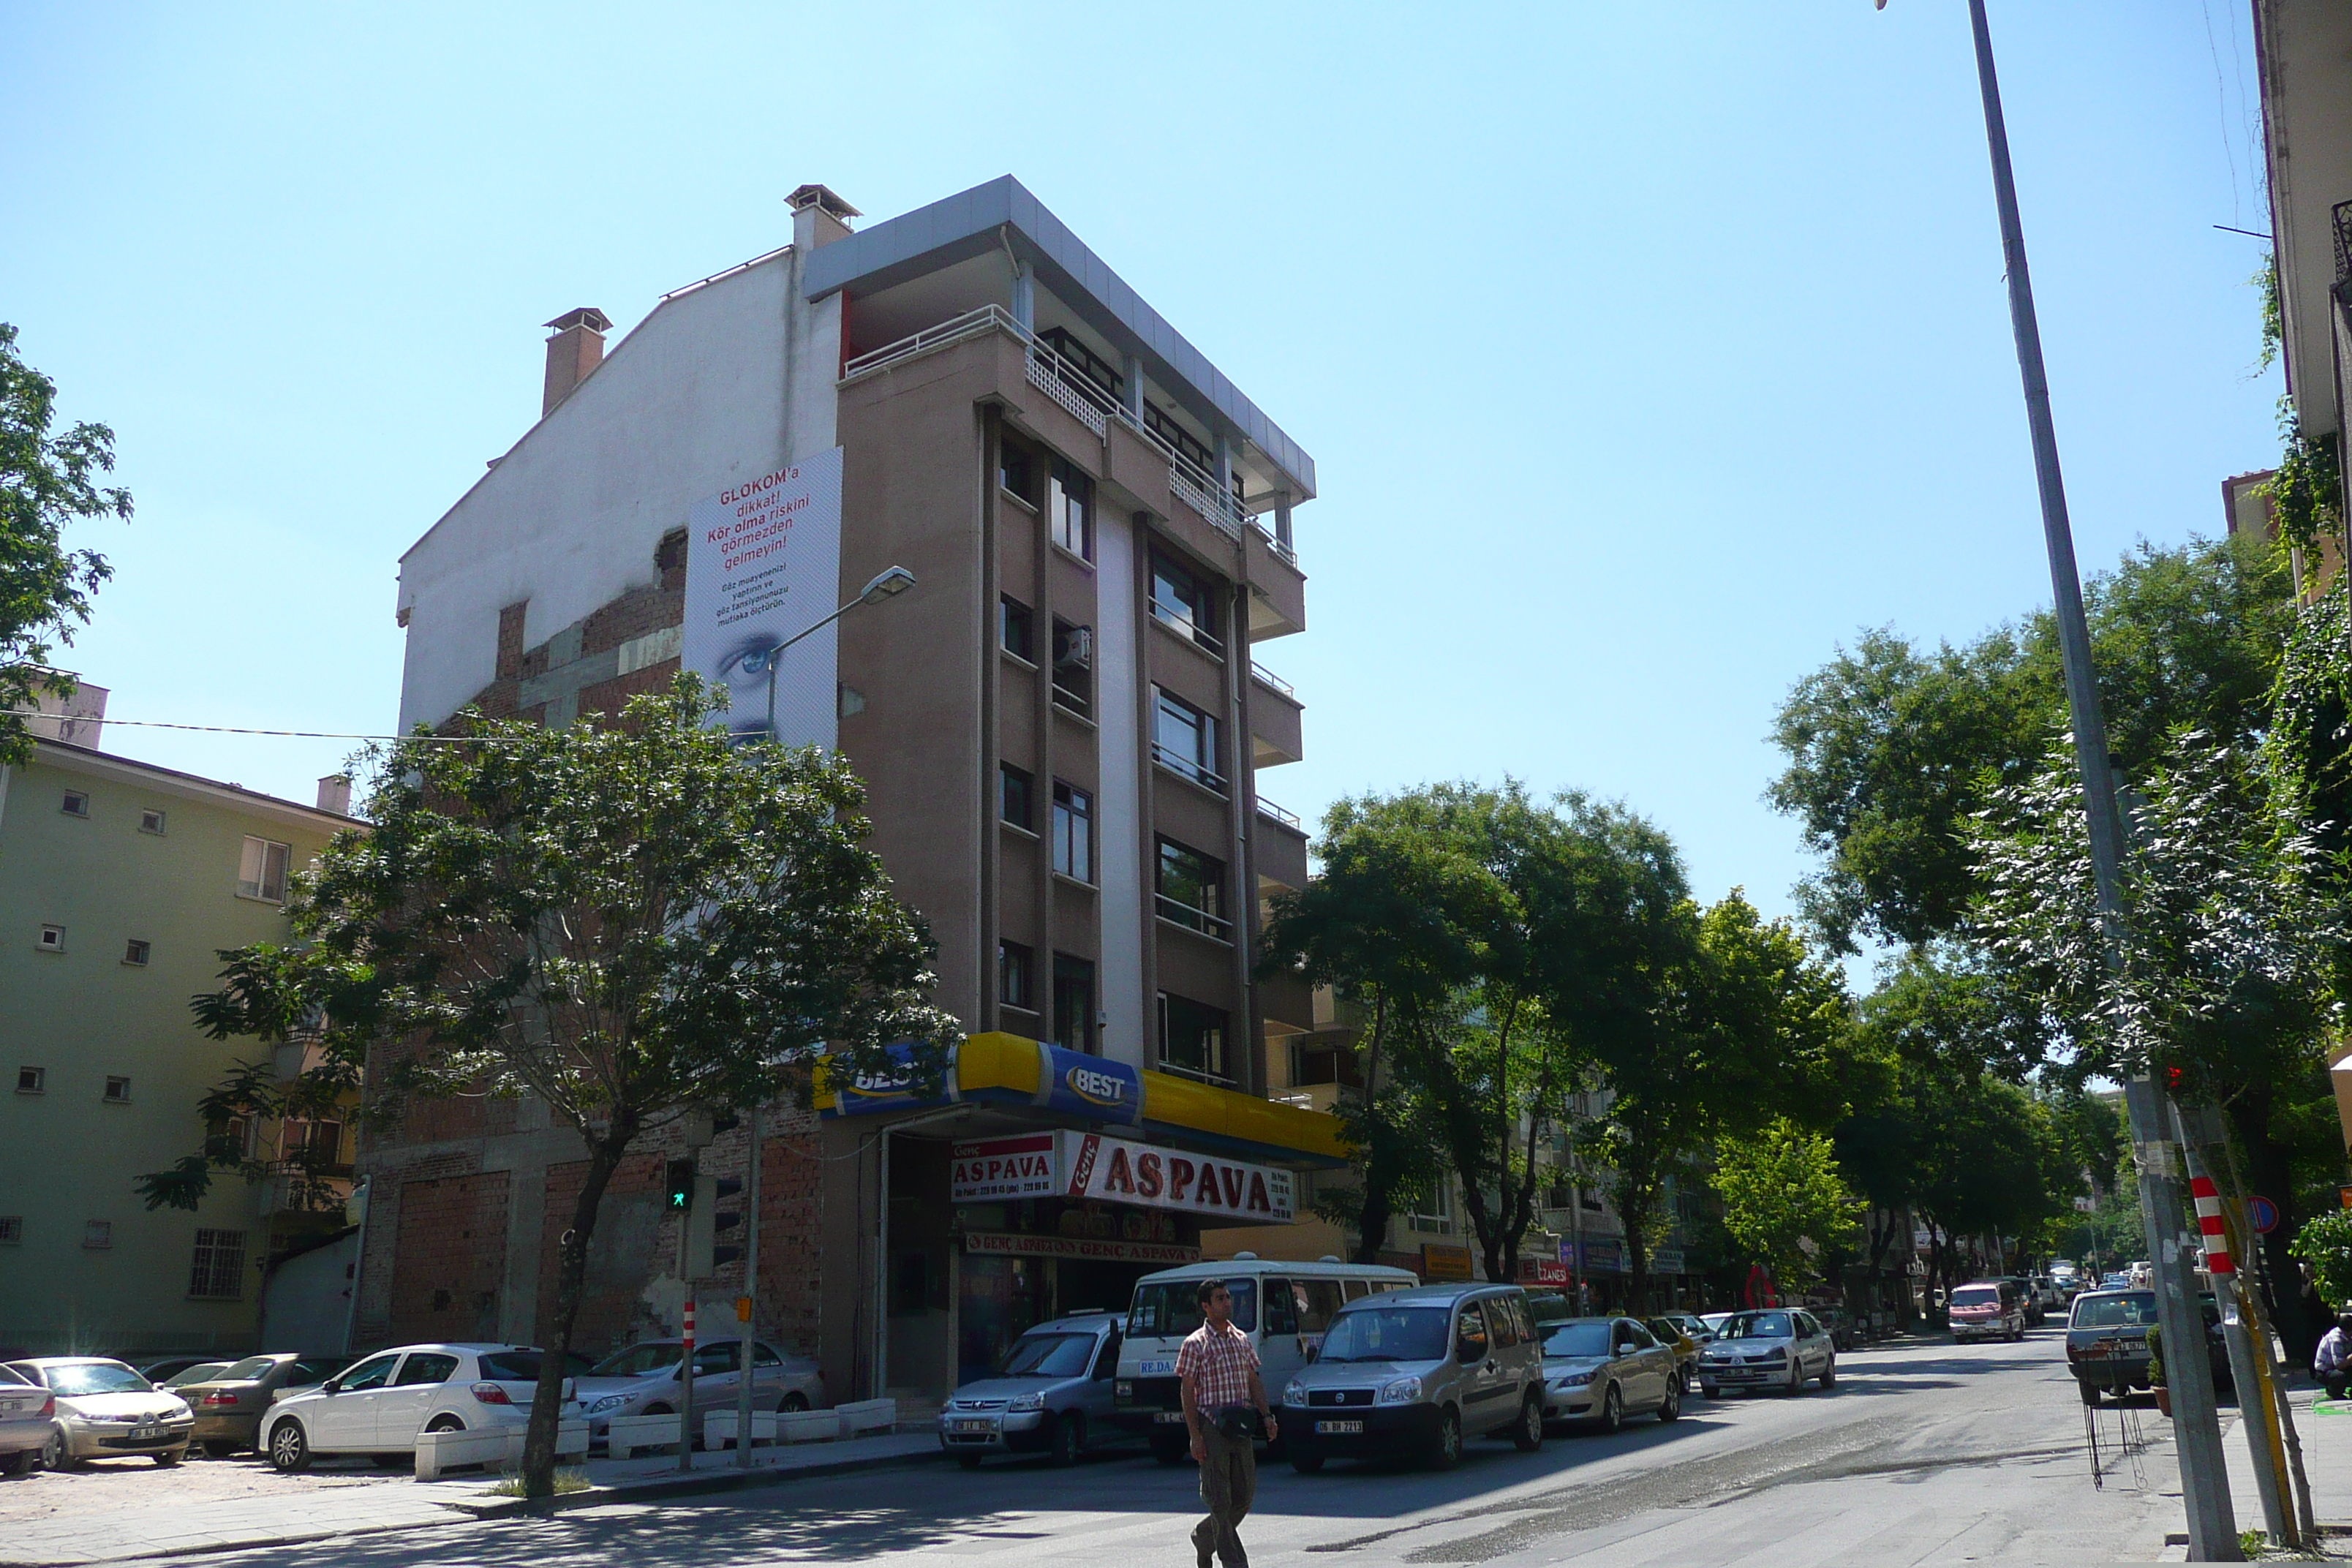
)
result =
(1015, 1244)
(1604, 1255)
(871, 1094)
(1666, 1260)
(762, 566)
(1542, 1271)
(1113, 1169)
(1445, 1261)
(1028, 1166)
(1094, 1087)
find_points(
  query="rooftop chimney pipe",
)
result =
(575, 350)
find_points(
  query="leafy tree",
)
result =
(46, 482)
(1784, 1199)
(627, 923)
(2325, 1243)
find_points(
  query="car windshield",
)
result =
(1576, 1339)
(97, 1377)
(1173, 1308)
(1976, 1295)
(1758, 1326)
(1049, 1355)
(2133, 1311)
(522, 1366)
(1387, 1333)
(251, 1367)
(640, 1361)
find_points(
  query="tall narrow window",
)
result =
(1014, 801)
(261, 874)
(217, 1273)
(1185, 738)
(1192, 1039)
(1012, 977)
(1181, 600)
(1073, 832)
(1013, 628)
(1016, 471)
(1070, 509)
(1074, 1004)
(1074, 666)
(1192, 888)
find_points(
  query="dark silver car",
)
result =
(230, 1403)
(28, 1421)
(1418, 1372)
(643, 1380)
(1775, 1348)
(1051, 1395)
(1604, 1369)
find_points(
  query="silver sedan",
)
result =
(28, 1420)
(1779, 1348)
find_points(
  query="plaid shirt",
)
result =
(1222, 1361)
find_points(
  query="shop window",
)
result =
(1074, 1004)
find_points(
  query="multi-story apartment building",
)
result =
(1061, 726)
(119, 883)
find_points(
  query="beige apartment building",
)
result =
(1062, 724)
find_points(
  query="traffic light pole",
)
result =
(2204, 1479)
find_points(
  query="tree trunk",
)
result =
(2269, 1175)
(571, 1277)
(1373, 1213)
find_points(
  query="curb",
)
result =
(652, 1488)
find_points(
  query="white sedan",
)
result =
(106, 1410)
(379, 1405)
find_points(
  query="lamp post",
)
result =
(887, 584)
(2204, 1478)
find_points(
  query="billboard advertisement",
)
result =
(1091, 1086)
(763, 564)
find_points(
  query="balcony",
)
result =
(1277, 733)
(1281, 849)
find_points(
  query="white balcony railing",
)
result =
(1270, 680)
(1288, 819)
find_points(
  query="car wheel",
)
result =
(1796, 1378)
(290, 1448)
(1709, 1391)
(1304, 1460)
(1527, 1436)
(53, 1452)
(220, 1447)
(1069, 1436)
(1829, 1373)
(794, 1402)
(1445, 1447)
(444, 1424)
(1671, 1407)
(1612, 1409)
(968, 1461)
(169, 1457)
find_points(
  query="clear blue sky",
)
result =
(1645, 352)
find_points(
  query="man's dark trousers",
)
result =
(1228, 1486)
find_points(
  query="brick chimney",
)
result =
(335, 793)
(575, 350)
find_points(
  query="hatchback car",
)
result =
(643, 1380)
(1051, 1395)
(381, 1404)
(106, 1410)
(1419, 1372)
(1604, 1369)
(230, 1403)
(27, 1420)
(1774, 1348)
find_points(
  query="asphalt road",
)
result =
(1928, 1452)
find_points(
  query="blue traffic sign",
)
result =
(2265, 1215)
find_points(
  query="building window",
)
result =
(32, 1081)
(75, 804)
(1191, 889)
(218, 1272)
(1070, 509)
(1184, 740)
(1180, 600)
(150, 822)
(117, 1091)
(135, 951)
(1016, 471)
(98, 1234)
(1074, 665)
(53, 939)
(262, 872)
(1192, 1039)
(1073, 832)
(1013, 628)
(1012, 977)
(12, 1230)
(1435, 1213)
(1014, 798)
(313, 1145)
(1074, 1004)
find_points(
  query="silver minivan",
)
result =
(1418, 1372)
(1051, 1395)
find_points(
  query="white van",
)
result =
(1282, 1307)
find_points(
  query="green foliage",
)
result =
(1782, 1188)
(2307, 752)
(46, 482)
(2265, 281)
(2306, 488)
(2156, 1376)
(2324, 1242)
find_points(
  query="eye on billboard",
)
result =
(763, 564)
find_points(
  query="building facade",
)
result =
(120, 883)
(1061, 727)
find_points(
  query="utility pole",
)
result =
(2204, 1479)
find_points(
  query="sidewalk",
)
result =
(116, 1532)
(2326, 1441)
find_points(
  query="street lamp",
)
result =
(886, 584)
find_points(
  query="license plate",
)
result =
(1340, 1429)
(146, 1434)
(1155, 1369)
(970, 1427)
(1169, 1417)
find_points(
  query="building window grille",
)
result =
(52, 938)
(75, 804)
(1014, 629)
(32, 1081)
(261, 874)
(150, 822)
(1070, 509)
(1012, 977)
(1075, 1017)
(1074, 832)
(98, 1234)
(1014, 798)
(217, 1271)
(1191, 890)
(1184, 741)
(1074, 666)
(1180, 600)
(117, 1091)
(1193, 1040)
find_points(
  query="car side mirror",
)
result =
(332, 1385)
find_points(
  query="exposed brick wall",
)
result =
(791, 1213)
(450, 1257)
(624, 1252)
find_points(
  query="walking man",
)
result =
(1224, 1402)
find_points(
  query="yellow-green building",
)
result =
(119, 883)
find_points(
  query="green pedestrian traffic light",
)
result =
(682, 1185)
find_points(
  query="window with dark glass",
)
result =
(1013, 628)
(1192, 1039)
(1070, 508)
(1074, 665)
(1183, 601)
(1013, 975)
(1192, 888)
(1016, 471)
(1185, 738)
(1073, 832)
(1014, 799)
(1074, 1004)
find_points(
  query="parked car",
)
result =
(2029, 1301)
(1604, 1369)
(2107, 1342)
(381, 1404)
(230, 1403)
(643, 1380)
(1419, 1371)
(2117, 1281)
(28, 1415)
(1775, 1347)
(160, 1373)
(1051, 1395)
(1670, 1332)
(1715, 1321)
(1843, 1334)
(106, 1410)
(1987, 1310)
(196, 1374)
(1691, 1324)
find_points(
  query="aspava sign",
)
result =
(1028, 1166)
(1113, 1169)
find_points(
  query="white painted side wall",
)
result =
(1125, 924)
